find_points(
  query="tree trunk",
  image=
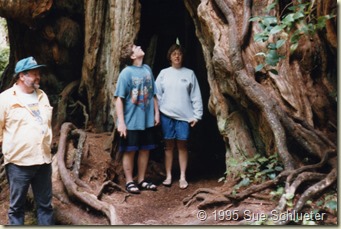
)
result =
(301, 93)
(289, 113)
(109, 26)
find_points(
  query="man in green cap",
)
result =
(25, 137)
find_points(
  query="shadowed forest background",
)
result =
(268, 78)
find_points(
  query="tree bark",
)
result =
(294, 106)
(109, 26)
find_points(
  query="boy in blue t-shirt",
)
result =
(137, 114)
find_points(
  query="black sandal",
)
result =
(144, 185)
(132, 188)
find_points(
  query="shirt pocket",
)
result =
(18, 114)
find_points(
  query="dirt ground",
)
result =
(162, 207)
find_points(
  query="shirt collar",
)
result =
(15, 88)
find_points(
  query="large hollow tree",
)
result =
(291, 113)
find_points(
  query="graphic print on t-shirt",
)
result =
(141, 91)
(34, 107)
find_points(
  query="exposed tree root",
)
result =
(310, 192)
(108, 185)
(74, 215)
(73, 189)
(62, 104)
(207, 197)
(79, 151)
(257, 188)
(293, 179)
(281, 124)
(86, 115)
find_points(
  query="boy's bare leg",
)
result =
(128, 165)
(142, 163)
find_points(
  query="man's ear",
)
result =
(21, 75)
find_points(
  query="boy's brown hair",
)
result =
(125, 55)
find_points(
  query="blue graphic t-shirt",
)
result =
(136, 86)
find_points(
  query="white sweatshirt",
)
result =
(179, 94)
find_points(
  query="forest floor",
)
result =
(165, 206)
(162, 207)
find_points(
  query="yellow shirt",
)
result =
(25, 140)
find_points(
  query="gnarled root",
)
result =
(207, 197)
(85, 196)
(293, 179)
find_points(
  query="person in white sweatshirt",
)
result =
(180, 106)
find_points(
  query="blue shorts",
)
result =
(174, 129)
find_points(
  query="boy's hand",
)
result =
(122, 130)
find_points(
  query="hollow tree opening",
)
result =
(163, 22)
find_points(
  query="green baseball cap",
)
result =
(26, 64)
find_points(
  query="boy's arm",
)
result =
(121, 126)
(156, 112)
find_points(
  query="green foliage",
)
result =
(254, 170)
(3, 23)
(299, 21)
(4, 57)
(4, 49)
(328, 202)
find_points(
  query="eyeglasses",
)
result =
(176, 53)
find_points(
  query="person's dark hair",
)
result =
(173, 48)
(16, 75)
(125, 55)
